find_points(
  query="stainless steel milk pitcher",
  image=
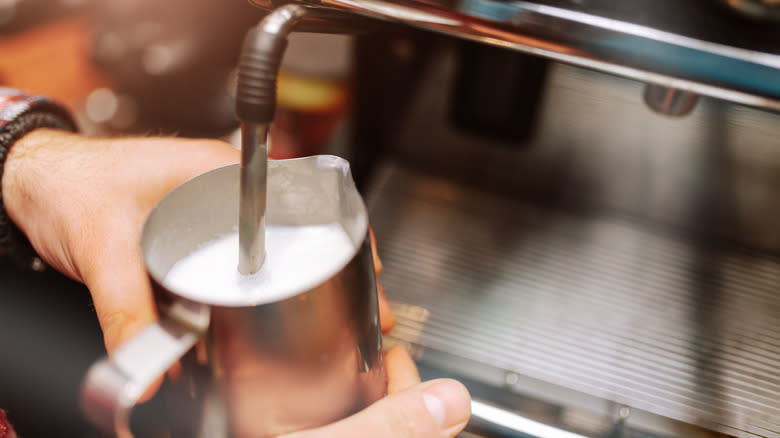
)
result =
(258, 369)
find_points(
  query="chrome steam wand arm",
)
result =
(258, 69)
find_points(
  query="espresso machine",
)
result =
(576, 201)
(576, 204)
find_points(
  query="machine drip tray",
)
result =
(587, 321)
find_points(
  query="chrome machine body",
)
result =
(614, 273)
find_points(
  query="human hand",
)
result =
(82, 203)
(434, 409)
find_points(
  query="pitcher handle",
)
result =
(114, 384)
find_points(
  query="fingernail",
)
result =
(448, 402)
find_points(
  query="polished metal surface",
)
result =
(749, 76)
(599, 148)
(261, 368)
(282, 21)
(506, 422)
(602, 308)
(255, 96)
(619, 268)
(669, 101)
(256, 102)
(254, 185)
(113, 388)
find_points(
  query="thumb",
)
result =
(435, 409)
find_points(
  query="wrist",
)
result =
(20, 115)
(20, 184)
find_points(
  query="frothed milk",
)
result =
(297, 259)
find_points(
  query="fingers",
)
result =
(179, 161)
(202, 156)
(401, 370)
(123, 304)
(386, 317)
(435, 409)
(378, 267)
(116, 276)
(120, 289)
(122, 296)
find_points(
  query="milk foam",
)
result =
(297, 258)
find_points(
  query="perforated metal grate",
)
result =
(605, 306)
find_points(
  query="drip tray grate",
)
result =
(602, 306)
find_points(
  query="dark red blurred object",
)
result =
(298, 133)
(6, 431)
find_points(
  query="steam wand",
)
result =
(258, 68)
(255, 106)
